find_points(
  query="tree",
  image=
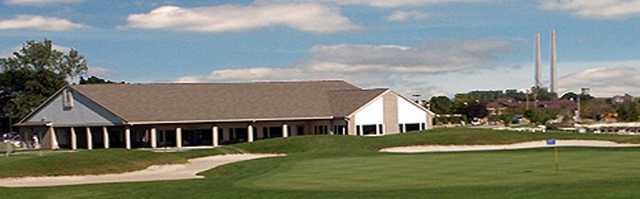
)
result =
(95, 80)
(506, 118)
(477, 111)
(596, 109)
(32, 74)
(628, 112)
(515, 94)
(441, 104)
(540, 116)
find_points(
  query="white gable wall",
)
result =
(371, 114)
(409, 113)
(84, 113)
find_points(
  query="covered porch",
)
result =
(173, 135)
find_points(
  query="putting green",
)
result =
(389, 172)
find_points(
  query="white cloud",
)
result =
(605, 81)
(603, 9)
(40, 2)
(30, 22)
(308, 17)
(401, 16)
(404, 68)
(382, 3)
(99, 72)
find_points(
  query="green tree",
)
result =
(506, 119)
(32, 74)
(477, 111)
(628, 112)
(540, 116)
(596, 109)
(95, 80)
(441, 104)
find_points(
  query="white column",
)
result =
(53, 140)
(285, 130)
(105, 137)
(378, 129)
(361, 131)
(404, 127)
(179, 137)
(127, 137)
(74, 139)
(89, 139)
(421, 126)
(215, 135)
(250, 132)
(154, 138)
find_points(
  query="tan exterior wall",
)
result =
(390, 110)
(352, 125)
(429, 121)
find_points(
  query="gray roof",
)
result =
(228, 101)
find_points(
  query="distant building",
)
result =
(618, 99)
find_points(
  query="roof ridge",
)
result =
(222, 83)
(367, 89)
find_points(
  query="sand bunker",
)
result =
(153, 173)
(524, 145)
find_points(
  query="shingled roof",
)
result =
(228, 101)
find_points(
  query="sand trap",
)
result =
(524, 145)
(153, 173)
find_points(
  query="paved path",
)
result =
(524, 145)
(153, 173)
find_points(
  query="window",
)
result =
(369, 129)
(412, 127)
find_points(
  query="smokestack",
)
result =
(554, 60)
(538, 69)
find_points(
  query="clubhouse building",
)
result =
(196, 115)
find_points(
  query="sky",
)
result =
(426, 47)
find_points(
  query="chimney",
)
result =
(538, 69)
(554, 60)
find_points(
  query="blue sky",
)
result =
(431, 47)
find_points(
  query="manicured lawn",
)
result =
(92, 162)
(351, 167)
(392, 172)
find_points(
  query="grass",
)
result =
(93, 162)
(351, 167)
